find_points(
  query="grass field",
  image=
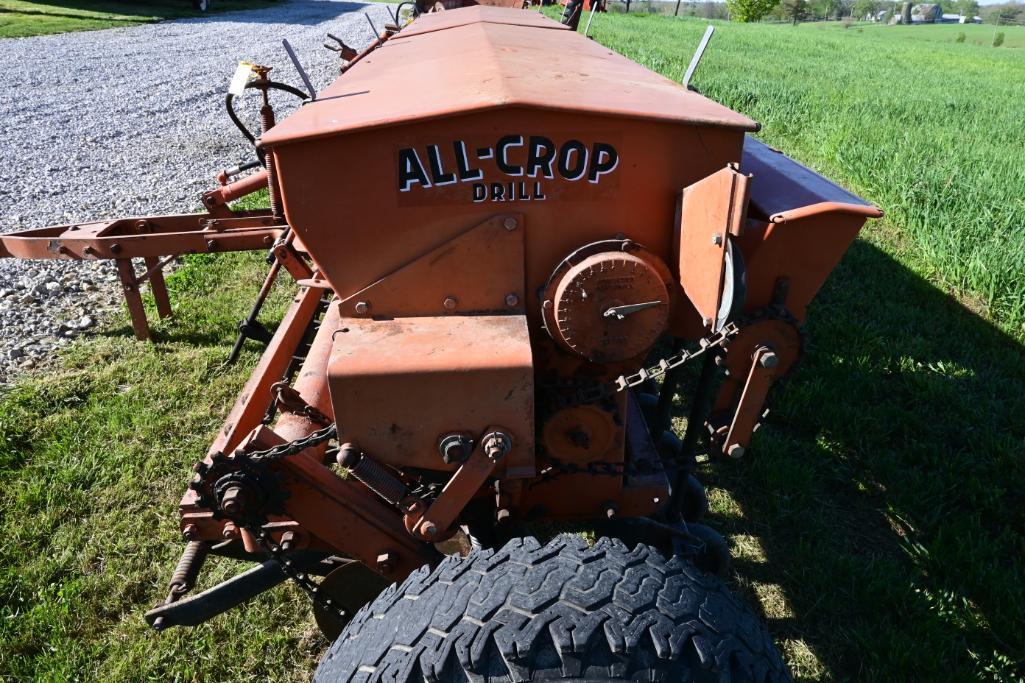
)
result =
(879, 522)
(21, 18)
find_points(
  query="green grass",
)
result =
(21, 18)
(975, 34)
(878, 521)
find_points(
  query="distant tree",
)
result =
(749, 10)
(822, 9)
(844, 8)
(864, 8)
(795, 11)
(967, 8)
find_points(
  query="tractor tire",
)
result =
(555, 613)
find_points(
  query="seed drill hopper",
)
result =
(508, 242)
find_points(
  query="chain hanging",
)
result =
(664, 365)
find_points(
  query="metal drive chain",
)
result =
(255, 526)
(666, 364)
(301, 579)
(291, 448)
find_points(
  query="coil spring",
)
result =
(372, 474)
(184, 576)
(267, 122)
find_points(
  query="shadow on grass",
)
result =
(879, 520)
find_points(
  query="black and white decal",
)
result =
(516, 157)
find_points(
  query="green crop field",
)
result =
(878, 523)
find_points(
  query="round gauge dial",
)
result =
(609, 307)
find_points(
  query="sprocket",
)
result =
(256, 486)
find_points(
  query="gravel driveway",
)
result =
(124, 122)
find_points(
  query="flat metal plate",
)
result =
(710, 211)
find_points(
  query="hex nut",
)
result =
(455, 448)
(769, 360)
(362, 307)
(735, 451)
(511, 300)
(510, 223)
(449, 303)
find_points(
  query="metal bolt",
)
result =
(769, 360)
(511, 300)
(288, 540)
(211, 245)
(189, 532)
(429, 529)
(610, 510)
(385, 563)
(455, 448)
(497, 445)
(234, 500)
(449, 303)
(115, 248)
(229, 531)
(735, 451)
(510, 223)
(717, 239)
(362, 307)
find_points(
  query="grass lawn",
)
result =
(878, 522)
(975, 34)
(21, 18)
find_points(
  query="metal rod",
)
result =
(695, 420)
(159, 266)
(371, 22)
(204, 606)
(299, 67)
(696, 59)
(594, 6)
(257, 305)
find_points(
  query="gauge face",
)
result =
(612, 306)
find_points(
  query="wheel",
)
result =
(201, 5)
(571, 15)
(559, 612)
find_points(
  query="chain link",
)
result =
(664, 365)
(301, 579)
(291, 448)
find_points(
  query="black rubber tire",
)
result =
(559, 612)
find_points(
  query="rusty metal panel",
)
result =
(359, 227)
(711, 210)
(802, 223)
(399, 385)
(478, 271)
(485, 66)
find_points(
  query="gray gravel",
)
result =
(129, 122)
